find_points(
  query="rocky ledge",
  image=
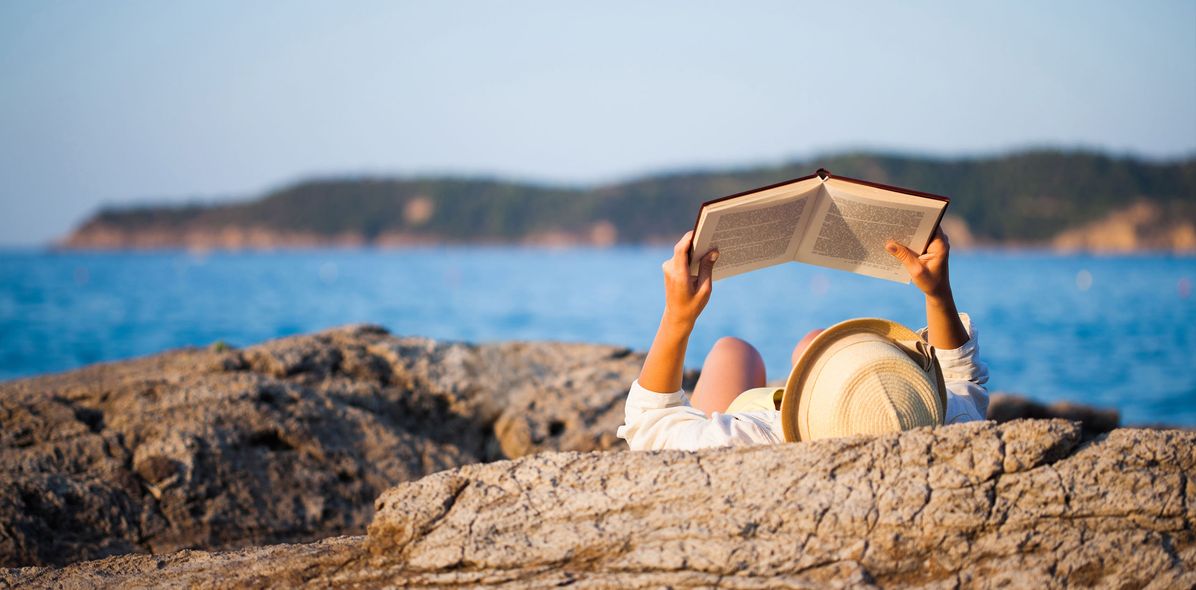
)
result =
(1023, 504)
(287, 441)
(211, 461)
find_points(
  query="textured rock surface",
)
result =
(1023, 504)
(272, 566)
(287, 441)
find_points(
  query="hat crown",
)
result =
(865, 383)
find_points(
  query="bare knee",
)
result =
(736, 347)
(741, 352)
(733, 345)
(731, 367)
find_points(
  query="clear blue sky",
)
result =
(115, 102)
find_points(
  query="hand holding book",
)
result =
(685, 295)
(928, 271)
(684, 299)
(930, 274)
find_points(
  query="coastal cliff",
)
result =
(490, 464)
(1141, 226)
(1065, 200)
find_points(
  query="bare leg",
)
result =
(732, 366)
(803, 344)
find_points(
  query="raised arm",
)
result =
(657, 414)
(965, 375)
(685, 298)
(929, 272)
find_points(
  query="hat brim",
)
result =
(793, 421)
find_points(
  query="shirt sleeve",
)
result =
(965, 375)
(655, 421)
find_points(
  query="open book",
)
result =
(830, 221)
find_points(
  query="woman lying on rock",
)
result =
(862, 376)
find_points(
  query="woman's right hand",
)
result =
(686, 296)
(928, 271)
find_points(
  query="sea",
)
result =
(1112, 331)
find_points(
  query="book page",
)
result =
(752, 236)
(850, 231)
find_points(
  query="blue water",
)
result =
(1111, 331)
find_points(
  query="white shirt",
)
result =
(666, 420)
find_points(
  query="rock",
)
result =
(1142, 225)
(1004, 407)
(1021, 504)
(287, 441)
(273, 566)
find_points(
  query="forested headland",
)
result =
(1062, 199)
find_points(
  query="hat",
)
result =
(863, 376)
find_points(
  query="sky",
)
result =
(107, 103)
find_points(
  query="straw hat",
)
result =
(863, 376)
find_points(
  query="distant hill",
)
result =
(1066, 199)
